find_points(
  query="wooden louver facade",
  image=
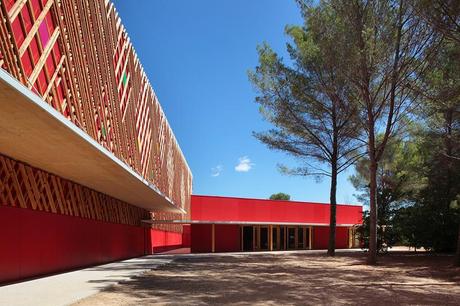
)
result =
(24, 186)
(77, 56)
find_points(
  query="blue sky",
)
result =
(196, 55)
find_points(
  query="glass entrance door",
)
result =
(291, 238)
(282, 238)
(301, 238)
(247, 236)
(275, 238)
(263, 238)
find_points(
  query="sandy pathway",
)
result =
(292, 279)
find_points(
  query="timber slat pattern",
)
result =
(28, 187)
(77, 56)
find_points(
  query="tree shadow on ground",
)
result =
(293, 279)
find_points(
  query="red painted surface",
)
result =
(201, 237)
(186, 239)
(227, 238)
(164, 241)
(321, 237)
(34, 243)
(213, 208)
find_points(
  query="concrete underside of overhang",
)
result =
(33, 132)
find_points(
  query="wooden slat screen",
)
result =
(27, 187)
(77, 55)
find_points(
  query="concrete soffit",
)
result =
(34, 132)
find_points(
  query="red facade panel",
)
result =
(321, 238)
(34, 243)
(163, 240)
(227, 238)
(186, 238)
(213, 208)
(201, 238)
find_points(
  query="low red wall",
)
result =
(164, 241)
(321, 238)
(227, 238)
(201, 238)
(34, 243)
(186, 239)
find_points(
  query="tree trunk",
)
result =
(333, 209)
(457, 254)
(448, 117)
(372, 257)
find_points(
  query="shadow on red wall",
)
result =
(186, 239)
(34, 243)
(162, 241)
(227, 238)
(201, 238)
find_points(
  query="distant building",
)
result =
(226, 224)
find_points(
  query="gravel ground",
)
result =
(273, 279)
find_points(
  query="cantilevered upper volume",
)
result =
(34, 132)
(85, 109)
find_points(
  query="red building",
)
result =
(86, 151)
(227, 224)
(88, 159)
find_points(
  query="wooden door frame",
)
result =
(242, 237)
(268, 237)
(304, 232)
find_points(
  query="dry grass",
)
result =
(400, 278)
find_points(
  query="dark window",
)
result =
(247, 238)
(275, 238)
(291, 238)
(282, 238)
(264, 238)
(300, 238)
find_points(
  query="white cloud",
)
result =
(217, 170)
(244, 164)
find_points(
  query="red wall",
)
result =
(201, 238)
(321, 237)
(212, 208)
(163, 241)
(186, 239)
(227, 238)
(34, 243)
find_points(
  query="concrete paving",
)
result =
(68, 288)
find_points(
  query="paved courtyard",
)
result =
(70, 287)
(290, 278)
